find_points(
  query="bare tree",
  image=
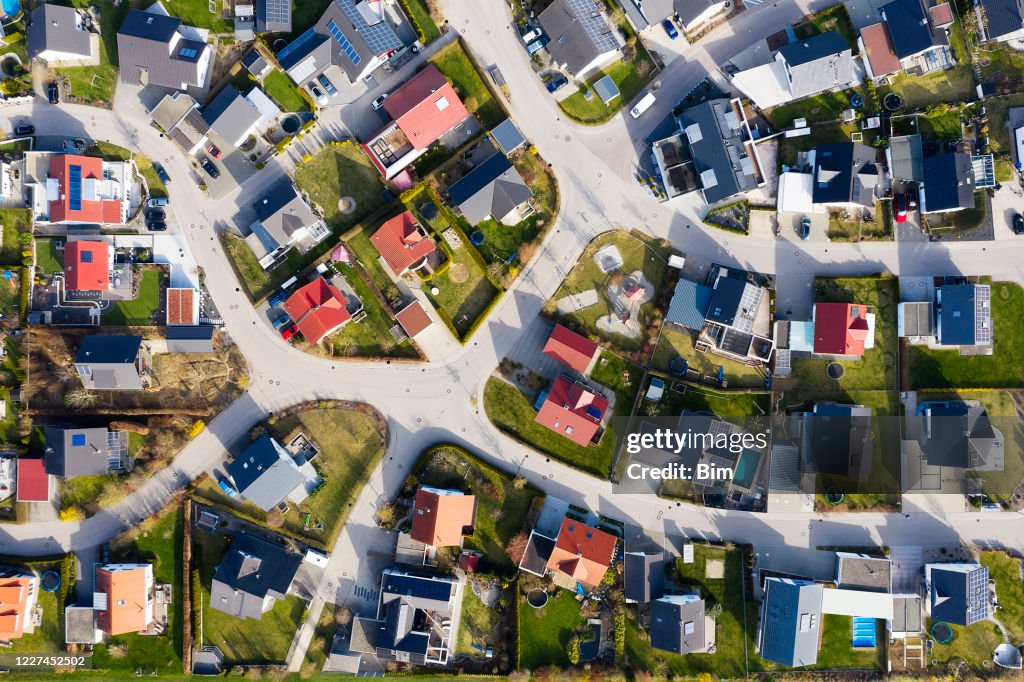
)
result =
(516, 547)
(79, 399)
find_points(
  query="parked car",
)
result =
(379, 102)
(557, 83)
(805, 228)
(328, 85)
(210, 168)
(899, 207)
(158, 226)
(1018, 223)
(645, 103)
(289, 332)
(161, 173)
(531, 36)
(278, 298)
(156, 214)
(23, 129)
(214, 151)
(670, 29)
(280, 322)
(158, 201)
(228, 489)
(53, 92)
(321, 98)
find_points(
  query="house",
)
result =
(19, 594)
(60, 36)
(273, 16)
(283, 220)
(863, 572)
(413, 318)
(80, 189)
(949, 183)
(256, 64)
(880, 58)
(838, 440)
(190, 339)
(843, 329)
(403, 244)
(713, 152)
(182, 306)
(507, 136)
(266, 475)
(908, 616)
(964, 315)
(319, 309)
(235, 117)
(87, 265)
(905, 158)
(572, 349)
(71, 452)
(582, 39)
(178, 115)
(573, 410)
(156, 49)
(959, 434)
(679, 625)
(1004, 21)
(919, 36)
(33, 482)
(252, 576)
(845, 175)
(693, 14)
(581, 554)
(790, 625)
(422, 109)
(494, 189)
(643, 576)
(956, 593)
(417, 614)
(441, 518)
(124, 598)
(352, 37)
(800, 69)
(110, 362)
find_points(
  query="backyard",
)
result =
(952, 85)
(341, 171)
(48, 259)
(820, 108)
(111, 152)
(679, 343)
(370, 336)
(456, 64)
(48, 636)
(142, 310)
(283, 91)
(629, 77)
(857, 224)
(463, 290)
(622, 376)
(14, 221)
(730, 405)
(477, 626)
(544, 633)
(419, 14)
(95, 84)
(258, 283)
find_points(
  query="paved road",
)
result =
(442, 401)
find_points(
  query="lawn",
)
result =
(832, 19)
(336, 172)
(789, 147)
(14, 222)
(544, 633)
(998, 115)
(197, 13)
(940, 369)
(637, 254)
(852, 226)
(728, 405)
(283, 91)
(679, 343)
(139, 312)
(728, 661)
(96, 84)
(1005, 570)
(456, 64)
(629, 77)
(973, 644)
(463, 290)
(954, 85)
(826, 106)
(371, 336)
(368, 257)
(877, 368)
(258, 283)
(941, 125)
(111, 152)
(837, 651)
(418, 13)
(621, 376)
(477, 626)
(47, 257)
(48, 637)
(510, 411)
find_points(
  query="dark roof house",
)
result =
(252, 575)
(273, 16)
(724, 162)
(110, 362)
(154, 49)
(72, 452)
(957, 593)
(494, 189)
(581, 37)
(59, 35)
(190, 339)
(964, 314)
(958, 434)
(948, 183)
(845, 174)
(677, 624)
(265, 473)
(643, 576)
(840, 439)
(1004, 19)
(283, 218)
(790, 622)
(908, 26)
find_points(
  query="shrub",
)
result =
(572, 649)
(620, 636)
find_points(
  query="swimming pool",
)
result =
(746, 468)
(863, 632)
(10, 8)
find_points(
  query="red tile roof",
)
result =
(840, 328)
(402, 243)
(86, 266)
(572, 410)
(413, 318)
(14, 606)
(582, 552)
(127, 593)
(570, 348)
(106, 211)
(942, 15)
(33, 481)
(439, 517)
(318, 308)
(880, 52)
(181, 306)
(426, 107)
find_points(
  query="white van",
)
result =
(643, 105)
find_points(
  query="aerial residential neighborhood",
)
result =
(555, 339)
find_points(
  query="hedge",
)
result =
(25, 293)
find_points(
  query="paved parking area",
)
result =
(794, 296)
(789, 227)
(1007, 202)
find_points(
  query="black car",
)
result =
(158, 226)
(53, 92)
(1018, 223)
(23, 129)
(210, 168)
(161, 173)
(156, 214)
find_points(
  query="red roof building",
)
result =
(319, 309)
(581, 552)
(426, 107)
(413, 318)
(33, 481)
(840, 328)
(571, 349)
(182, 307)
(128, 589)
(403, 244)
(440, 518)
(83, 193)
(16, 597)
(881, 55)
(572, 410)
(86, 266)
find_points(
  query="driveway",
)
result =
(1007, 202)
(794, 296)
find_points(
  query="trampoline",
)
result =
(863, 633)
(49, 581)
(892, 101)
(856, 100)
(678, 367)
(833, 496)
(477, 238)
(942, 632)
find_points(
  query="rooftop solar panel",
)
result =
(380, 36)
(278, 11)
(75, 188)
(78, 439)
(346, 47)
(982, 315)
(588, 12)
(421, 588)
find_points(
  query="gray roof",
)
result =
(689, 305)
(948, 183)
(716, 145)
(507, 135)
(1003, 17)
(905, 158)
(492, 189)
(255, 64)
(790, 621)
(578, 37)
(958, 434)
(265, 473)
(677, 624)
(643, 576)
(538, 551)
(273, 16)
(186, 339)
(821, 62)
(906, 613)
(79, 625)
(107, 362)
(58, 28)
(151, 43)
(76, 452)
(251, 570)
(958, 593)
(845, 173)
(862, 572)
(281, 212)
(840, 439)
(229, 112)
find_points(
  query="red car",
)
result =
(900, 207)
(288, 332)
(214, 152)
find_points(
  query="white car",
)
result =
(643, 105)
(321, 98)
(532, 36)
(379, 102)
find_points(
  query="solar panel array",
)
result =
(588, 13)
(749, 303)
(188, 53)
(75, 188)
(977, 596)
(346, 47)
(380, 36)
(984, 171)
(296, 44)
(982, 315)
(421, 588)
(277, 11)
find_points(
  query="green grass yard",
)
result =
(111, 152)
(141, 310)
(464, 291)
(726, 404)
(197, 13)
(341, 171)
(500, 241)
(837, 652)
(371, 336)
(456, 64)
(621, 376)
(368, 256)
(629, 77)
(95, 84)
(477, 626)
(418, 13)
(544, 633)
(676, 342)
(283, 91)
(826, 106)
(14, 221)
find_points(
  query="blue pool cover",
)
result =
(863, 632)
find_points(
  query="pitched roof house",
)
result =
(949, 183)
(964, 314)
(957, 593)
(905, 158)
(319, 309)
(643, 576)
(33, 481)
(252, 576)
(87, 265)
(845, 174)
(880, 58)
(178, 115)
(572, 409)
(19, 590)
(82, 189)
(441, 518)
(413, 318)
(918, 36)
(679, 625)
(790, 623)
(693, 14)
(128, 595)
(71, 452)
(60, 36)
(581, 37)
(581, 553)
(266, 474)
(842, 329)
(494, 189)
(155, 49)
(110, 362)
(840, 439)
(958, 434)
(403, 243)
(190, 339)
(273, 16)
(235, 116)
(571, 349)
(283, 220)
(1004, 20)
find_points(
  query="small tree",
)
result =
(519, 482)
(572, 649)
(80, 399)
(516, 547)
